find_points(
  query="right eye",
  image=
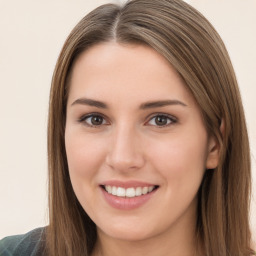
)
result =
(93, 120)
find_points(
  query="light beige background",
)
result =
(31, 36)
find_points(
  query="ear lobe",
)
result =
(212, 160)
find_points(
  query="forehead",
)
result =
(132, 72)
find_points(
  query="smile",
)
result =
(128, 192)
(128, 195)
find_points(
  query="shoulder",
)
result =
(29, 244)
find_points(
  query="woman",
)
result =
(147, 143)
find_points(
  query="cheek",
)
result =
(182, 160)
(85, 155)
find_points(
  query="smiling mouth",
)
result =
(128, 192)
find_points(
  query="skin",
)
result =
(130, 145)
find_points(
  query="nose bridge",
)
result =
(124, 152)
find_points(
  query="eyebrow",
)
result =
(146, 105)
(90, 102)
(161, 103)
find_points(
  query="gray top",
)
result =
(29, 244)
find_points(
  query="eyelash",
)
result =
(83, 119)
(172, 120)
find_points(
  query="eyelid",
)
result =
(173, 119)
(84, 117)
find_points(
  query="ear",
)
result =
(222, 127)
(212, 160)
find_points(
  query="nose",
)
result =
(125, 151)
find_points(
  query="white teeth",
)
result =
(129, 192)
(145, 190)
(150, 188)
(113, 192)
(108, 188)
(138, 191)
(120, 191)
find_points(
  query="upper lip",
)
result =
(127, 184)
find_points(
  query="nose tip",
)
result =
(125, 154)
(123, 164)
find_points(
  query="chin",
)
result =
(131, 236)
(129, 232)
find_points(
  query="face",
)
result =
(136, 144)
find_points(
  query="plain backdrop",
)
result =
(31, 36)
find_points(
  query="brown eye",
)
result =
(161, 120)
(93, 120)
(96, 120)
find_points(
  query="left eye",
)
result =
(93, 120)
(161, 120)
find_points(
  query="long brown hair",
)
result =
(193, 47)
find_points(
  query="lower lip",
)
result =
(126, 203)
